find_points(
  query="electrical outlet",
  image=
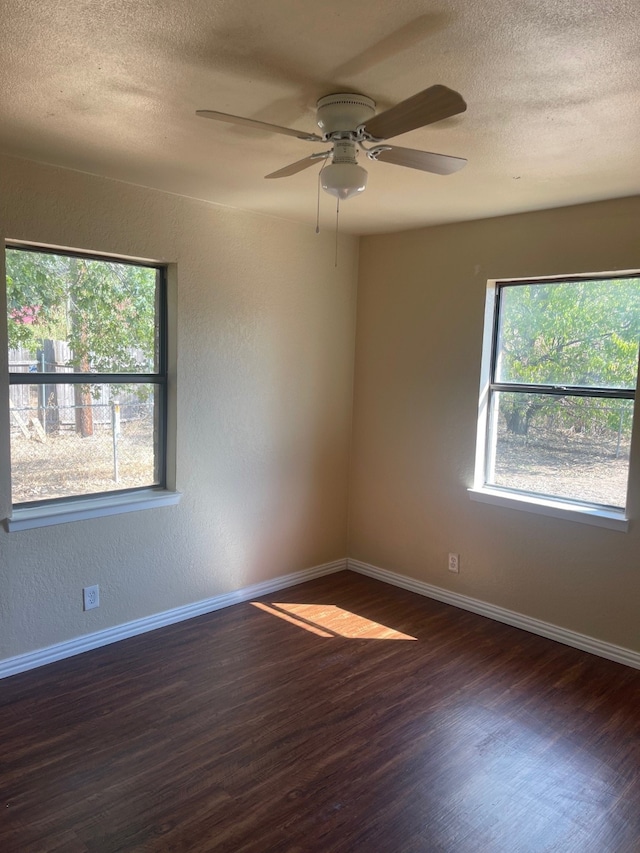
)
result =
(454, 562)
(91, 597)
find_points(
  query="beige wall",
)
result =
(265, 325)
(420, 316)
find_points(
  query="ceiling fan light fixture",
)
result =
(344, 180)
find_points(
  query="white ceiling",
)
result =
(111, 87)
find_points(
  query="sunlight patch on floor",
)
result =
(328, 620)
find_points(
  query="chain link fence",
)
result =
(65, 450)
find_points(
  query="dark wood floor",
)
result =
(267, 729)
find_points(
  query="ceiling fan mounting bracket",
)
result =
(344, 113)
(376, 151)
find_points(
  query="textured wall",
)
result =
(265, 329)
(420, 316)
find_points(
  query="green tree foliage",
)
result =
(581, 334)
(103, 309)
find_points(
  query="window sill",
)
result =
(556, 509)
(94, 507)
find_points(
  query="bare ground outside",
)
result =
(586, 467)
(63, 463)
(566, 464)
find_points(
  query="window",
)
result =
(559, 381)
(87, 376)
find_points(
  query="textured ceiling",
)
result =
(111, 87)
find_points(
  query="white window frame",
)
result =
(571, 510)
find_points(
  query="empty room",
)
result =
(319, 440)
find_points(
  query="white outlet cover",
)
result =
(91, 597)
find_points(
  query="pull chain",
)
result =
(318, 207)
(337, 226)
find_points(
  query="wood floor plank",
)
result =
(372, 720)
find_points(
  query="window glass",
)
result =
(568, 447)
(77, 314)
(87, 375)
(578, 333)
(564, 364)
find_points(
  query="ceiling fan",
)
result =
(348, 121)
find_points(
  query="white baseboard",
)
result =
(619, 654)
(40, 657)
(31, 660)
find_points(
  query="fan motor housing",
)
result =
(344, 112)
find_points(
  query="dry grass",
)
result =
(66, 464)
(565, 465)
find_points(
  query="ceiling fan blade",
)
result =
(426, 107)
(299, 165)
(259, 125)
(439, 164)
